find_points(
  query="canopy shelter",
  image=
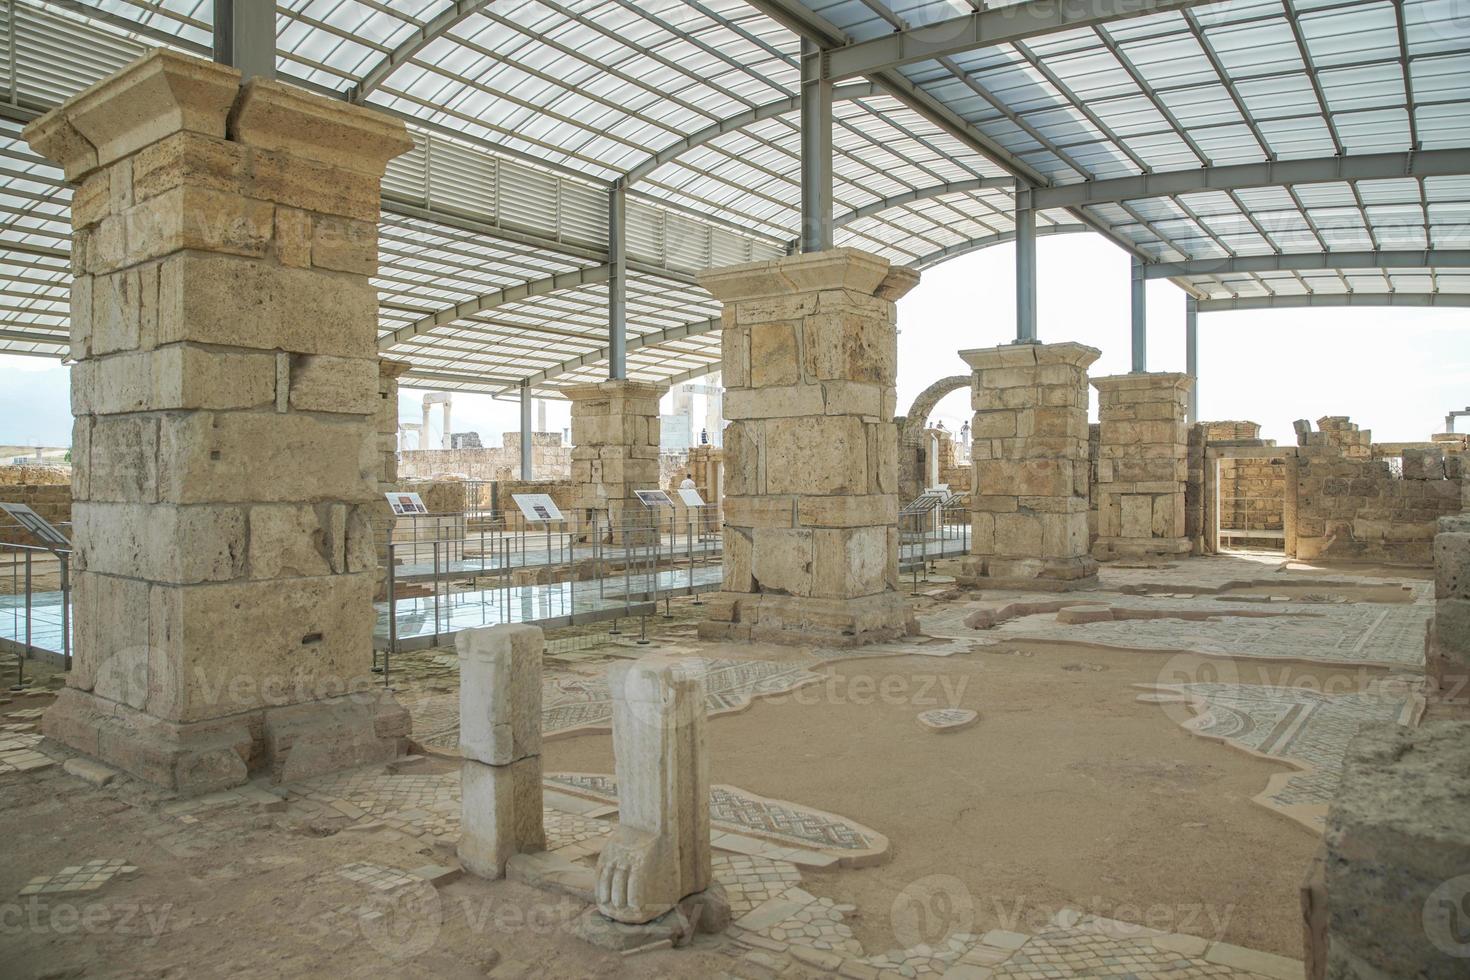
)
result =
(576, 162)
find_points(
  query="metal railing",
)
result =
(496, 568)
(35, 620)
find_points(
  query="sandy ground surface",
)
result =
(1068, 793)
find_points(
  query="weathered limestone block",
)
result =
(811, 453)
(500, 815)
(1029, 508)
(1398, 854)
(225, 393)
(1143, 465)
(500, 693)
(500, 740)
(1424, 464)
(660, 853)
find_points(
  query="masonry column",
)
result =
(615, 435)
(226, 389)
(811, 450)
(1142, 465)
(1029, 452)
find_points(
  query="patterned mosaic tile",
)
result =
(568, 829)
(1359, 633)
(1306, 728)
(736, 811)
(376, 876)
(87, 877)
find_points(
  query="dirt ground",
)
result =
(1068, 793)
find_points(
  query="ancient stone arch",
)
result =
(912, 448)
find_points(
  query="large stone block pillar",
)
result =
(1029, 502)
(615, 435)
(225, 450)
(1142, 465)
(811, 450)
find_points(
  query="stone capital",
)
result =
(1027, 355)
(836, 268)
(1155, 380)
(161, 93)
(613, 389)
(388, 368)
(275, 116)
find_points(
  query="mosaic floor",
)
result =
(580, 702)
(798, 833)
(1306, 728)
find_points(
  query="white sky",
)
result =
(1395, 371)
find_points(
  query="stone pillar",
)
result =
(1447, 647)
(1030, 498)
(615, 434)
(226, 395)
(660, 853)
(1143, 465)
(1398, 854)
(500, 745)
(811, 481)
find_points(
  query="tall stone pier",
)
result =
(811, 450)
(1142, 465)
(615, 436)
(225, 449)
(1029, 501)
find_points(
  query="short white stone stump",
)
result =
(945, 721)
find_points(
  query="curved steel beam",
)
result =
(843, 93)
(976, 244)
(456, 13)
(490, 300)
(924, 193)
(651, 339)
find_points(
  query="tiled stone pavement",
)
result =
(750, 879)
(810, 931)
(1308, 728)
(376, 876)
(86, 877)
(18, 752)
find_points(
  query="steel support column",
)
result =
(245, 36)
(1191, 354)
(816, 152)
(527, 469)
(1139, 306)
(617, 283)
(1025, 267)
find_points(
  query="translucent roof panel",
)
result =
(526, 114)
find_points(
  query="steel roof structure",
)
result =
(576, 162)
